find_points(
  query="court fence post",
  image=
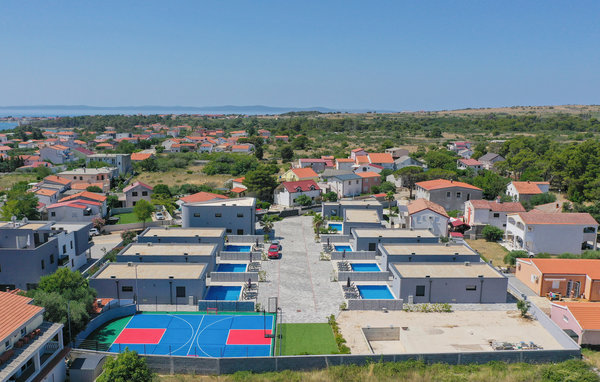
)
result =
(169, 350)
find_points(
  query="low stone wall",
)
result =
(361, 304)
(233, 276)
(363, 276)
(382, 334)
(335, 238)
(217, 366)
(109, 315)
(247, 239)
(227, 306)
(355, 255)
(244, 256)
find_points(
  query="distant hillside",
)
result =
(521, 110)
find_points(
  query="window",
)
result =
(420, 290)
(448, 194)
(589, 230)
(180, 291)
(240, 231)
(71, 245)
(471, 287)
(134, 193)
(7, 344)
(43, 265)
(228, 230)
(197, 214)
(51, 259)
(468, 196)
(64, 249)
(125, 288)
(23, 331)
(52, 213)
(529, 228)
(218, 215)
(357, 182)
(240, 215)
(144, 193)
(565, 318)
(496, 214)
(458, 195)
(555, 284)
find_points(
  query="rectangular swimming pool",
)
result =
(375, 292)
(223, 293)
(336, 226)
(224, 267)
(341, 248)
(365, 267)
(236, 248)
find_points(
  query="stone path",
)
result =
(299, 279)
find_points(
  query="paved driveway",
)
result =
(299, 279)
(107, 242)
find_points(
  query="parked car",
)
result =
(160, 216)
(276, 242)
(274, 252)
(94, 232)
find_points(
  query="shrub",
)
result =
(491, 233)
(512, 256)
(523, 306)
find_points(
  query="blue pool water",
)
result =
(375, 292)
(335, 226)
(341, 248)
(237, 248)
(365, 267)
(231, 267)
(227, 293)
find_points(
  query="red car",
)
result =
(274, 252)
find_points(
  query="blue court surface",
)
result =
(197, 335)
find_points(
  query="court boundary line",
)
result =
(124, 327)
(208, 326)
(190, 325)
(195, 335)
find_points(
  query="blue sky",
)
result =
(394, 55)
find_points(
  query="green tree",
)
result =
(389, 197)
(41, 172)
(267, 222)
(318, 221)
(300, 142)
(20, 203)
(94, 189)
(303, 200)
(143, 210)
(512, 256)
(259, 152)
(491, 183)
(126, 367)
(161, 189)
(330, 197)
(410, 175)
(287, 153)
(261, 182)
(125, 147)
(523, 306)
(491, 233)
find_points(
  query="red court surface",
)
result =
(140, 336)
(248, 337)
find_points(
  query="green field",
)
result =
(306, 339)
(127, 218)
(109, 332)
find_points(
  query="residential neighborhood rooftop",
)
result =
(424, 204)
(446, 270)
(151, 271)
(245, 202)
(438, 184)
(361, 216)
(15, 312)
(529, 188)
(200, 249)
(587, 314)
(498, 206)
(590, 267)
(539, 217)
(183, 232)
(393, 233)
(427, 249)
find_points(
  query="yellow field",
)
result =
(6, 181)
(177, 177)
(489, 250)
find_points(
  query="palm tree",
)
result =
(390, 198)
(267, 223)
(317, 223)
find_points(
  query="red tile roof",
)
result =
(15, 312)
(140, 156)
(239, 180)
(304, 185)
(424, 204)
(362, 159)
(238, 190)
(381, 158)
(470, 162)
(498, 207)
(84, 151)
(136, 184)
(528, 188)
(57, 179)
(345, 160)
(85, 194)
(590, 267)
(202, 197)
(357, 150)
(538, 217)
(368, 174)
(587, 314)
(85, 185)
(46, 192)
(304, 173)
(438, 184)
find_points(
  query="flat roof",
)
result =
(89, 171)
(71, 226)
(243, 202)
(446, 270)
(184, 232)
(427, 249)
(369, 202)
(170, 249)
(152, 271)
(32, 225)
(390, 233)
(362, 216)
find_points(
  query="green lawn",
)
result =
(306, 339)
(127, 218)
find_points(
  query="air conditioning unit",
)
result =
(129, 264)
(467, 263)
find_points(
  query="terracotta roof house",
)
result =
(425, 214)
(138, 157)
(487, 212)
(579, 278)
(555, 233)
(57, 180)
(136, 192)
(523, 191)
(287, 192)
(357, 152)
(296, 174)
(76, 210)
(579, 318)
(81, 152)
(384, 160)
(201, 197)
(473, 164)
(245, 148)
(283, 138)
(490, 159)
(369, 180)
(447, 193)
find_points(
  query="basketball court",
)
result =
(198, 334)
